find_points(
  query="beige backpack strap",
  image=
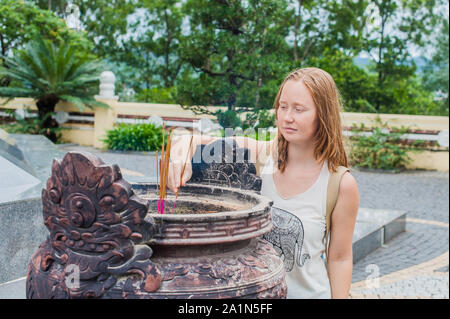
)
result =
(332, 196)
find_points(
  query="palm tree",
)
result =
(49, 74)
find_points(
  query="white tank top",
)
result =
(299, 225)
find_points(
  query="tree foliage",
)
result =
(436, 74)
(393, 28)
(234, 48)
(49, 73)
(235, 53)
(21, 21)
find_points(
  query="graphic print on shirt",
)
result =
(286, 235)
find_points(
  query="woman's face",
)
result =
(297, 113)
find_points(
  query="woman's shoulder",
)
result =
(348, 187)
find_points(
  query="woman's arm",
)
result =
(181, 156)
(340, 253)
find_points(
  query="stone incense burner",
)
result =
(107, 241)
(210, 246)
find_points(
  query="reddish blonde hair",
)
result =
(328, 141)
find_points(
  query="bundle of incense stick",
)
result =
(163, 168)
(162, 172)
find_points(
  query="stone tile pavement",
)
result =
(415, 263)
(400, 271)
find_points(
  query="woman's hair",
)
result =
(328, 140)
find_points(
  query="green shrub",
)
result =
(135, 137)
(383, 149)
(228, 119)
(253, 123)
(259, 119)
(157, 95)
(266, 135)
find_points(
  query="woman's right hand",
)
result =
(179, 154)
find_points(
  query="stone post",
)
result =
(104, 117)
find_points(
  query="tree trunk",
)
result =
(258, 96)
(5, 80)
(45, 106)
(380, 64)
(231, 101)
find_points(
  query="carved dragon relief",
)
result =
(96, 224)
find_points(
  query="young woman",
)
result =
(295, 169)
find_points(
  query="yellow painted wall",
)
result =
(78, 133)
(423, 122)
(90, 135)
(429, 160)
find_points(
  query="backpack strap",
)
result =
(332, 196)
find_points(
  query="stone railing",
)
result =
(89, 127)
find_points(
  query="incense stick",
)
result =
(157, 175)
(163, 172)
(182, 172)
(166, 168)
(160, 201)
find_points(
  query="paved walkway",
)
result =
(412, 265)
(415, 263)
